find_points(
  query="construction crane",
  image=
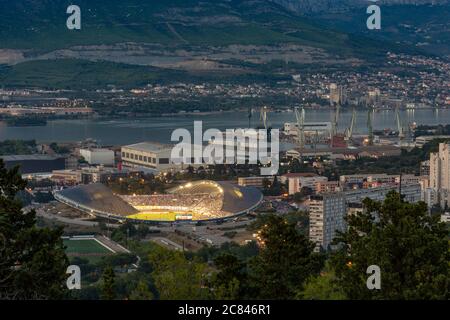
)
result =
(265, 117)
(300, 116)
(349, 130)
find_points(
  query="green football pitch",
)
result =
(89, 249)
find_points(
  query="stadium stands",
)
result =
(198, 201)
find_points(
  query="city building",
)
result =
(88, 175)
(155, 157)
(378, 180)
(440, 173)
(327, 186)
(430, 197)
(327, 211)
(318, 132)
(98, 156)
(422, 140)
(425, 168)
(326, 217)
(297, 181)
(35, 163)
(354, 208)
(337, 94)
(257, 181)
(147, 155)
(412, 193)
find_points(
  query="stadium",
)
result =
(191, 202)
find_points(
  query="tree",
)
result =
(141, 292)
(142, 231)
(322, 287)
(410, 247)
(108, 285)
(286, 259)
(229, 282)
(177, 278)
(33, 262)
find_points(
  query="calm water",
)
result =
(127, 131)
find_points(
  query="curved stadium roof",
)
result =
(97, 197)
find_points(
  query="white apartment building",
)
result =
(256, 181)
(440, 173)
(380, 178)
(327, 211)
(296, 181)
(95, 156)
(326, 216)
(412, 193)
(155, 156)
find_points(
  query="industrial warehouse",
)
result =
(191, 202)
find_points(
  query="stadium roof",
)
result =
(97, 197)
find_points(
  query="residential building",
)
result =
(297, 181)
(98, 156)
(326, 217)
(257, 181)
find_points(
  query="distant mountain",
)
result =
(133, 42)
(40, 24)
(307, 6)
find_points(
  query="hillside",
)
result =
(40, 24)
(234, 39)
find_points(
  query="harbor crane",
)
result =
(400, 128)
(300, 116)
(370, 126)
(335, 120)
(349, 130)
(265, 117)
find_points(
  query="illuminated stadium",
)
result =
(194, 201)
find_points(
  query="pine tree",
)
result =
(33, 262)
(285, 261)
(108, 284)
(141, 292)
(410, 247)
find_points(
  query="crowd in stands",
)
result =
(208, 205)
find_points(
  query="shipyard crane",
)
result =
(300, 116)
(265, 117)
(349, 130)
(370, 126)
(400, 129)
(335, 120)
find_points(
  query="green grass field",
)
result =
(88, 249)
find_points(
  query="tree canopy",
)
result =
(32, 260)
(409, 245)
